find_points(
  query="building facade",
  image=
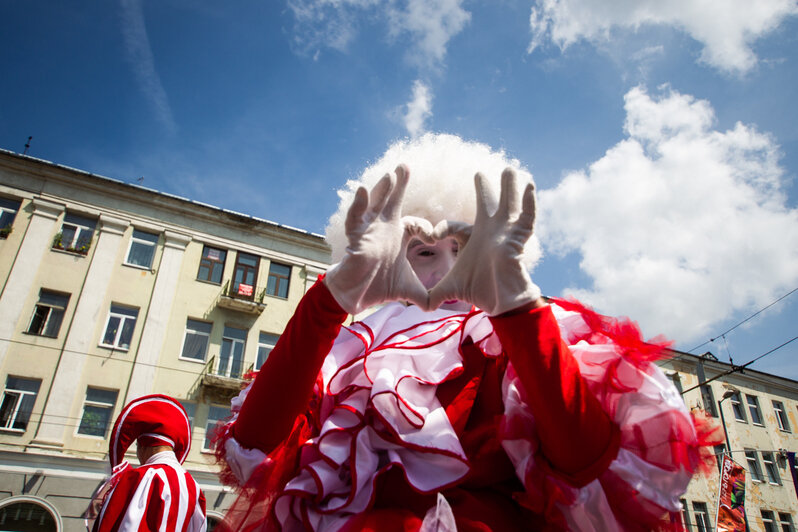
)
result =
(111, 291)
(758, 413)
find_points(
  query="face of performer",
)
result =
(431, 262)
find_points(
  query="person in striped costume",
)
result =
(159, 495)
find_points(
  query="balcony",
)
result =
(223, 378)
(242, 297)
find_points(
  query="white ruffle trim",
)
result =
(653, 394)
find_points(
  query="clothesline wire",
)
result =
(743, 321)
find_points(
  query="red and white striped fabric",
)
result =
(159, 496)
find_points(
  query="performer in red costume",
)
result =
(466, 401)
(158, 496)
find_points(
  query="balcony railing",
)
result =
(242, 297)
(223, 383)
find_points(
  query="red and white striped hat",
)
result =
(153, 420)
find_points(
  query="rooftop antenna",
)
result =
(27, 145)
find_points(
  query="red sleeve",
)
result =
(284, 384)
(577, 437)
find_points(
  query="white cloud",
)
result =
(334, 24)
(726, 29)
(137, 46)
(431, 24)
(678, 225)
(418, 109)
(326, 23)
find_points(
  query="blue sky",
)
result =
(662, 135)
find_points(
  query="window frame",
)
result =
(209, 432)
(198, 333)
(81, 225)
(134, 239)
(120, 328)
(211, 265)
(785, 522)
(701, 512)
(275, 281)
(781, 415)
(708, 398)
(754, 467)
(686, 515)
(738, 409)
(233, 341)
(768, 520)
(265, 345)
(7, 209)
(771, 468)
(245, 270)
(97, 404)
(19, 399)
(52, 311)
(754, 410)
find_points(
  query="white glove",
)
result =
(375, 268)
(489, 273)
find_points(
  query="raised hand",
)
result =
(489, 272)
(375, 268)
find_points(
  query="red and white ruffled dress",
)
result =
(552, 419)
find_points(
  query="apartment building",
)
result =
(111, 291)
(758, 413)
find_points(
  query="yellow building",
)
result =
(758, 411)
(112, 291)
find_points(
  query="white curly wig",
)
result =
(441, 186)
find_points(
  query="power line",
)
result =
(745, 320)
(735, 369)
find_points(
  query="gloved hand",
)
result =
(489, 273)
(375, 268)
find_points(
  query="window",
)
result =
(26, 515)
(266, 343)
(277, 284)
(753, 408)
(191, 410)
(97, 410)
(211, 265)
(231, 357)
(781, 416)
(76, 233)
(771, 468)
(8, 211)
(701, 517)
(719, 450)
(142, 249)
(48, 314)
(768, 522)
(195, 343)
(708, 399)
(18, 400)
(215, 414)
(737, 408)
(785, 521)
(119, 328)
(245, 275)
(753, 465)
(685, 515)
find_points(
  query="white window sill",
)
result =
(115, 348)
(137, 267)
(194, 360)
